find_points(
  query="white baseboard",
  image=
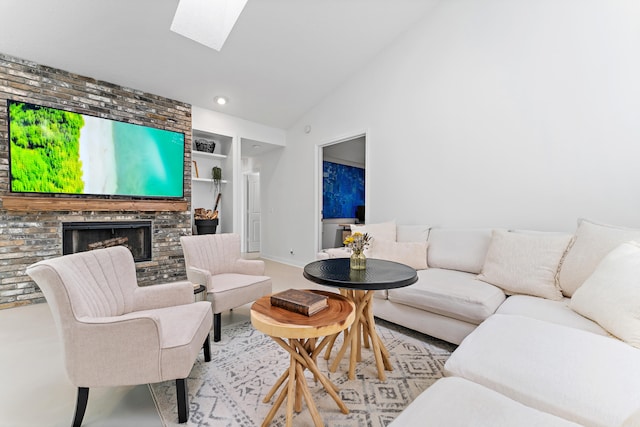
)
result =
(286, 261)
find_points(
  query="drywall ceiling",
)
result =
(281, 58)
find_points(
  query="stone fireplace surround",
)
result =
(31, 227)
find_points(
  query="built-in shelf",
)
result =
(204, 192)
(224, 181)
(205, 154)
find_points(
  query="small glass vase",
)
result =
(358, 261)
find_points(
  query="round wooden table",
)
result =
(359, 286)
(302, 333)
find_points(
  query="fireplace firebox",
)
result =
(86, 236)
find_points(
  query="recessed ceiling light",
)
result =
(220, 100)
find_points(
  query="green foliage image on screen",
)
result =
(56, 151)
(45, 150)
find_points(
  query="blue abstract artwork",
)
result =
(342, 190)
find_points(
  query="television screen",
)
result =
(57, 151)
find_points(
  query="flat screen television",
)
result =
(54, 151)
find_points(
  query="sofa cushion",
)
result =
(413, 254)
(380, 231)
(611, 295)
(438, 326)
(574, 374)
(591, 243)
(550, 311)
(525, 263)
(461, 249)
(451, 293)
(454, 401)
(412, 233)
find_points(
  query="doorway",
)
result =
(253, 211)
(342, 188)
(256, 160)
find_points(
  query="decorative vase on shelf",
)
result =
(358, 261)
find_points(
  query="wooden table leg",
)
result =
(348, 340)
(328, 385)
(313, 410)
(365, 335)
(291, 389)
(275, 407)
(301, 356)
(332, 340)
(385, 354)
(375, 340)
(276, 386)
(362, 330)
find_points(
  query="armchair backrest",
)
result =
(97, 283)
(216, 253)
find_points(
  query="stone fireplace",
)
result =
(33, 227)
(85, 236)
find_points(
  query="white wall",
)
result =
(510, 113)
(212, 121)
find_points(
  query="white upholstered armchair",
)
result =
(213, 260)
(116, 333)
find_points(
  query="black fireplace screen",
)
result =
(86, 236)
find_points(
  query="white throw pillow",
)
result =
(523, 263)
(611, 295)
(413, 254)
(382, 231)
(592, 242)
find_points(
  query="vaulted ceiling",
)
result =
(281, 58)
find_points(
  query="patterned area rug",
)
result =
(228, 391)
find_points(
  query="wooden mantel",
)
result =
(31, 204)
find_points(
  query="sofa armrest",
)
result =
(254, 267)
(111, 351)
(163, 295)
(146, 315)
(198, 276)
(341, 252)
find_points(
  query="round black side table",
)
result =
(359, 286)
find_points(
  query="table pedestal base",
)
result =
(303, 354)
(362, 332)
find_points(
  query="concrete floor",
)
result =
(34, 389)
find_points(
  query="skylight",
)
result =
(207, 22)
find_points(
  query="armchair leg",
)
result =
(207, 350)
(183, 400)
(217, 327)
(81, 406)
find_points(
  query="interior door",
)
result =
(253, 213)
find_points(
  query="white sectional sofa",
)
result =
(548, 323)
(447, 301)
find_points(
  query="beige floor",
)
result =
(34, 390)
